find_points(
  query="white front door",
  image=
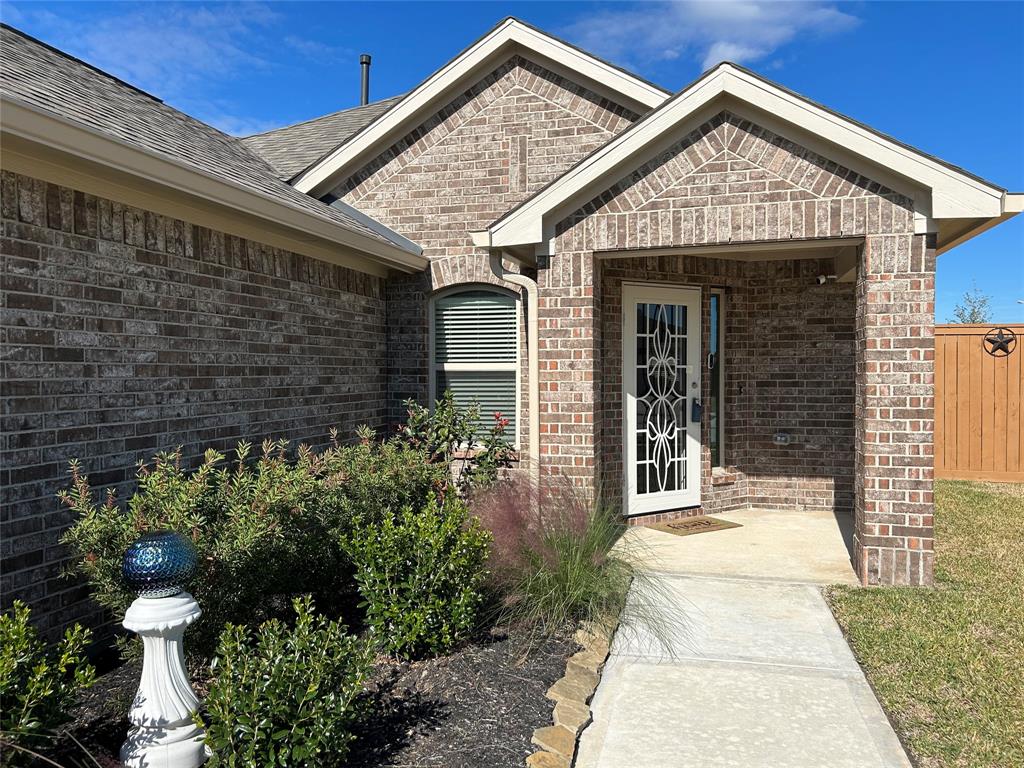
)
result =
(661, 385)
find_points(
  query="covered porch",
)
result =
(727, 378)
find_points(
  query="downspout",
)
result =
(533, 357)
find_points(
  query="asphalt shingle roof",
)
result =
(45, 78)
(294, 148)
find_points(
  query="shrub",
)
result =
(420, 573)
(452, 438)
(266, 527)
(441, 431)
(362, 480)
(256, 525)
(552, 561)
(38, 684)
(285, 695)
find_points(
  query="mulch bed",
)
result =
(475, 708)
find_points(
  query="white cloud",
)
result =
(314, 49)
(186, 54)
(734, 30)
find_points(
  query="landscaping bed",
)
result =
(354, 601)
(474, 708)
(948, 663)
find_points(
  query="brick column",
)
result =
(569, 329)
(893, 536)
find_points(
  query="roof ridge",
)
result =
(76, 60)
(322, 117)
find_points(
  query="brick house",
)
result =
(702, 301)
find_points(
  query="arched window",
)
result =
(475, 352)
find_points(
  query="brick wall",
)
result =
(893, 536)
(732, 182)
(125, 333)
(492, 147)
(570, 337)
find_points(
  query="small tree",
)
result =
(974, 307)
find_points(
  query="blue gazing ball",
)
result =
(159, 564)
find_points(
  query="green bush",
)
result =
(362, 480)
(452, 437)
(38, 683)
(285, 696)
(420, 573)
(552, 560)
(256, 526)
(266, 528)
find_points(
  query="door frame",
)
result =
(691, 297)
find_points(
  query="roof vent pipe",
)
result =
(364, 90)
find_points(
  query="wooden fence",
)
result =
(979, 422)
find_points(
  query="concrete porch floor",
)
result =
(788, 545)
(729, 657)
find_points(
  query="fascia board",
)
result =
(641, 93)
(955, 195)
(80, 141)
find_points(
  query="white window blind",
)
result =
(476, 352)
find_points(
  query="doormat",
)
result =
(691, 525)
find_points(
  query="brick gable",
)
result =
(732, 181)
(503, 139)
(731, 176)
(500, 141)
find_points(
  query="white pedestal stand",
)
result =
(164, 735)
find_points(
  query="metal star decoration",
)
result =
(999, 342)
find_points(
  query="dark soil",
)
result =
(475, 708)
(100, 722)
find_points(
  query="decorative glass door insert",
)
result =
(661, 386)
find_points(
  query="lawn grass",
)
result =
(948, 663)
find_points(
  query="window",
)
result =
(717, 374)
(476, 352)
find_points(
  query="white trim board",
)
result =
(41, 138)
(509, 37)
(939, 191)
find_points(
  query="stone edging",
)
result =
(572, 694)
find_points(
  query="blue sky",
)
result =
(946, 77)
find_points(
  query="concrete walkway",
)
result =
(738, 671)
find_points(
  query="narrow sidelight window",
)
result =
(476, 352)
(717, 379)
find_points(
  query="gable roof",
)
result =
(509, 37)
(294, 148)
(940, 191)
(54, 99)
